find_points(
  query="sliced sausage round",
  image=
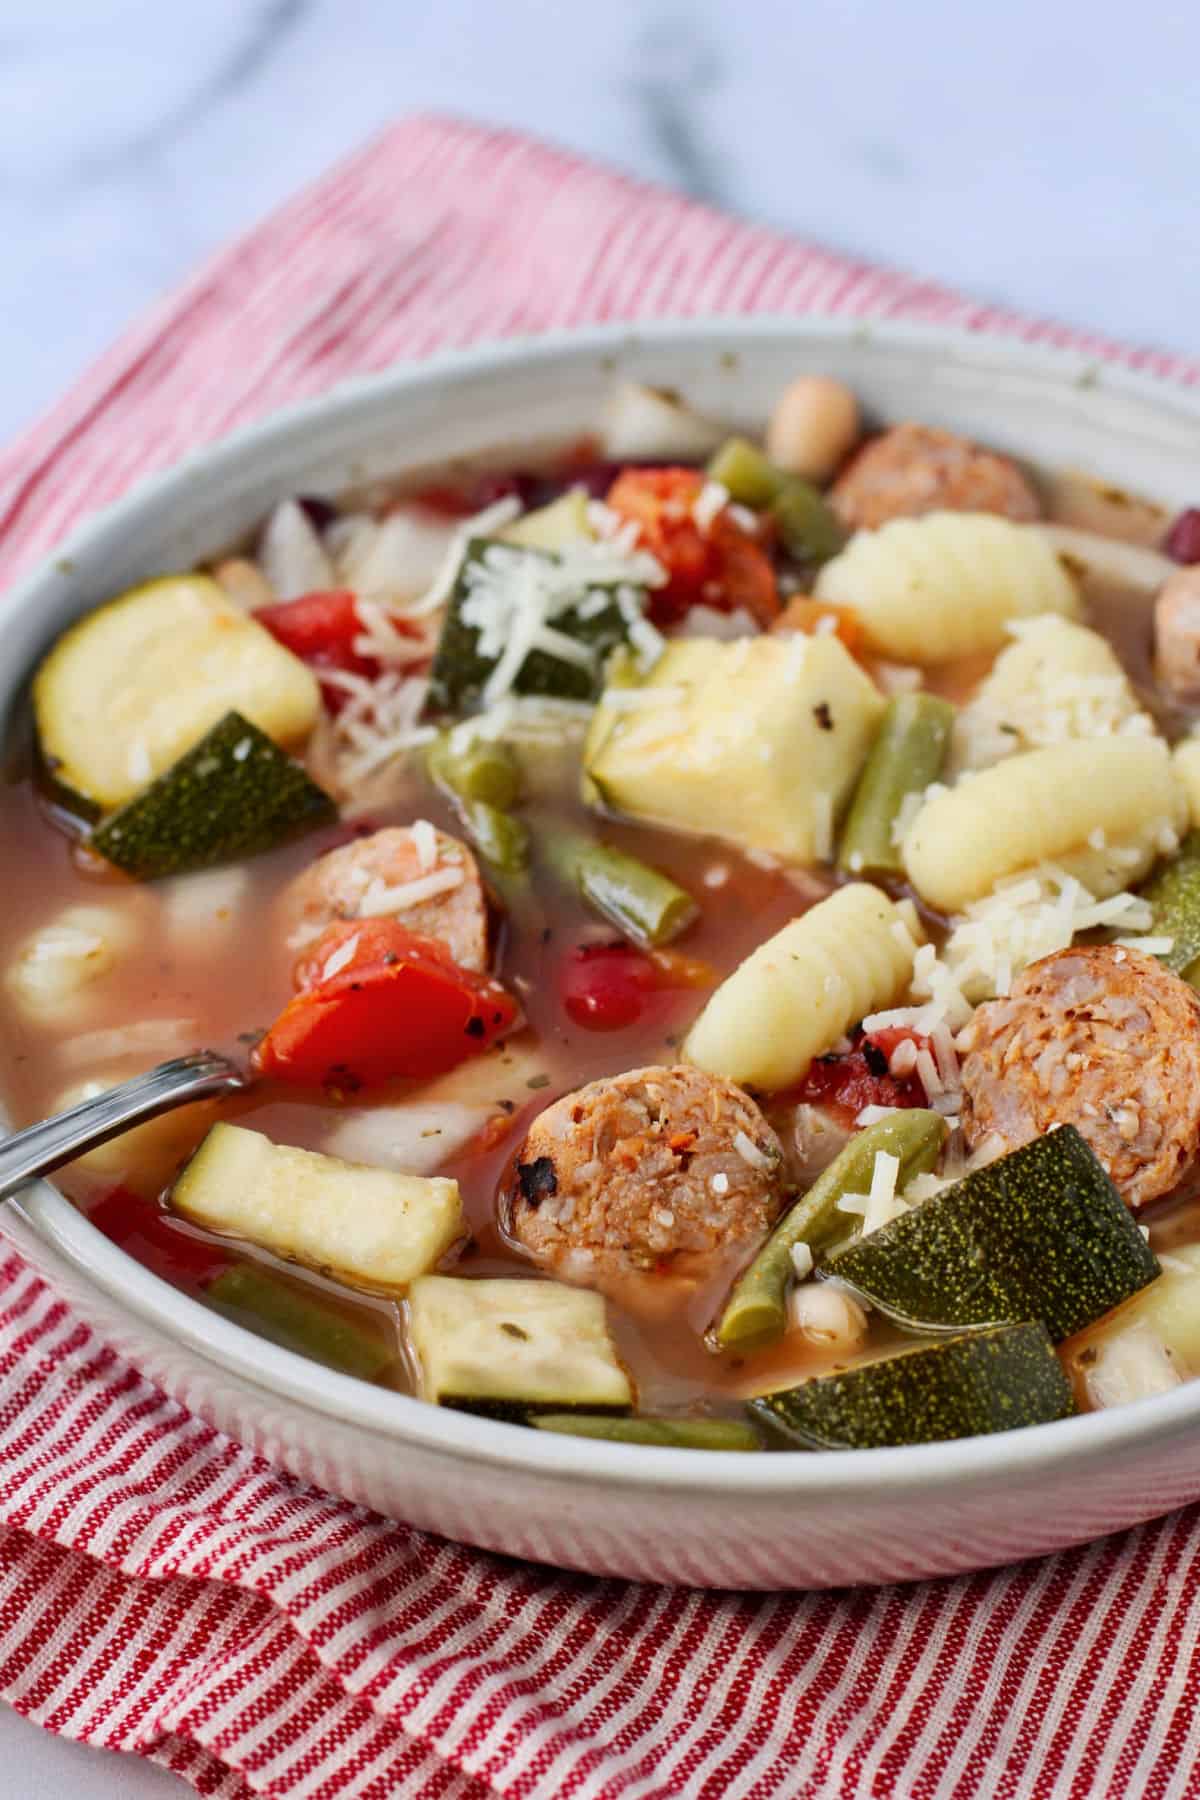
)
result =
(914, 469)
(1103, 1038)
(1177, 635)
(414, 873)
(656, 1170)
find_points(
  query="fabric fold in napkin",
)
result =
(165, 1592)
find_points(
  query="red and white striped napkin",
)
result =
(164, 1592)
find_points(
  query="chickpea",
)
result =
(828, 1315)
(814, 427)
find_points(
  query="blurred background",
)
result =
(1042, 152)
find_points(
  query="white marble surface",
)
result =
(1043, 153)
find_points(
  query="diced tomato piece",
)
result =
(608, 987)
(323, 630)
(721, 566)
(399, 1005)
(164, 1244)
(808, 616)
(848, 1081)
(449, 502)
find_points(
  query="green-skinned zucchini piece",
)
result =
(1174, 894)
(669, 1434)
(137, 682)
(1039, 1234)
(459, 672)
(958, 1387)
(254, 1297)
(235, 793)
(505, 1347)
(366, 1227)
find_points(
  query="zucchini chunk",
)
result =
(369, 1228)
(759, 742)
(501, 1346)
(966, 1386)
(592, 623)
(668, 1434)
(1039, 1234)
(564, 521)
(233, 794)
(125, 692)
(258, 1299)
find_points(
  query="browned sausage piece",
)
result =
(1177, 634)
(656, 1170)
(1105, 1039)
(914, 469)
(423, 877)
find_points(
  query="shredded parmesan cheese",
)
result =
(708, 504)
(882, 1204)
(380, 900)
(424, 839)
(483, 524)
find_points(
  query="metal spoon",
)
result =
(65, 1135)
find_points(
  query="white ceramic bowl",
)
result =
(664, 1515)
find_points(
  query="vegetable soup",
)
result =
(715, 925)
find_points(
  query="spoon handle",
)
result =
(58, 1140)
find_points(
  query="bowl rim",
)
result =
(386, 1414)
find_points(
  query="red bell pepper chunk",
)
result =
(167, 1247)
(398, 1005)
(721, 565)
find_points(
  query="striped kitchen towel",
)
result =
(165, 1592)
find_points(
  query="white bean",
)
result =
(814, 427)
(828, 1315)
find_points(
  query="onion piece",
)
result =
(1108, 558)
(649, 424)
(414, 1139)
(1086, 504)
(394, 558)
(291, 554)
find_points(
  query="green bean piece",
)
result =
(481, 770)
(1174, 895)
(254, 1297)
(755, 1313)
(808, 527)
(676, 1434)
(746, 474)
(907, 755)
(501, 839)
(643, 904)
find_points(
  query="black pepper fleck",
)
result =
(536, 1180)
